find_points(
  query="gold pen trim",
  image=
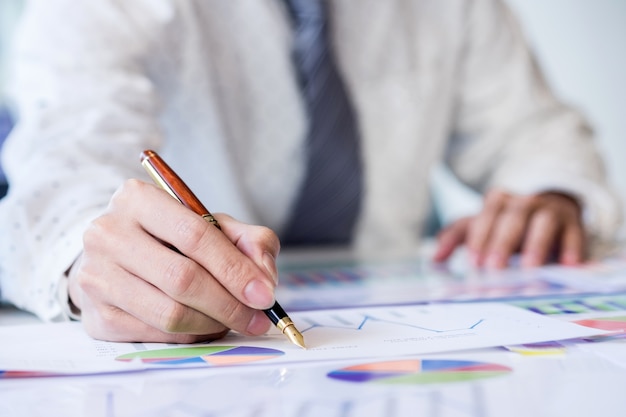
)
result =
(158, 180)
(284, 323)
(210, 219)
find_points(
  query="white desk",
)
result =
(582, 379)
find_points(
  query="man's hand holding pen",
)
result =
(130, 286)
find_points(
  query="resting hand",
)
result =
(130, 286)
(539, 226)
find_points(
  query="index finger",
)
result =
(258, 243)
(211, 249)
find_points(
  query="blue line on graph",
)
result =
(371, 318)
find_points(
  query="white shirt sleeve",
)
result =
(85, 112)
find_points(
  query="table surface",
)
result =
(577, 378)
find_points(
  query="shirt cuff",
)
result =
(69, 309)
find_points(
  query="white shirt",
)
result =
(210, 85)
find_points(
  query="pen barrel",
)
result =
(167, 178)
(276, 313)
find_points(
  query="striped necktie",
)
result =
(329, 201)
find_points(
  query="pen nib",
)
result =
(294, 335)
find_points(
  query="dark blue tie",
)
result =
(328, 204)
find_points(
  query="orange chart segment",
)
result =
(615, 324)
(209, 355)
(406, 372)
(401, 366)
(221, 360)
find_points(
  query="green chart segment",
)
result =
(209, 355)
(419, 372)
(591, 304)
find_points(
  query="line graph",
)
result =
(421, 328)
(347, 325)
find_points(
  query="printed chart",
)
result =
(602, 312)
(419, 371)
(357, 333)
(576, 305)
(613, 324)
(210, 355)
(597, 312)
(335, 285)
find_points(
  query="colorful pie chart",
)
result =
(615, 324)
(210, 355)
(419, 371)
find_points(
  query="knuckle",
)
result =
(109, 315)
(571, 210)
(105, 323)
(179, 276)
(192, 232)
(233, 272)
(103, 234)
(171, 317)
(87, 283)
(88, 279)
(94, 233)
(235, 315)
(267, 237)
(549, 216)
(528, 201)
(130, 187)
(521, 206)
(496, 196)
(533, 200)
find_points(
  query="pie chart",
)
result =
(209, 355)
(419, 372)
(615, 324)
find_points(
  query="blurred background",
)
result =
(579, 44)
(580, 48)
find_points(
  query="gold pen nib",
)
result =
(294, 335)
(289, 329)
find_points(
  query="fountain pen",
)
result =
(167, 179)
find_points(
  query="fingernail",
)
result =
(270, 264)
(259, 324)
(259, 294)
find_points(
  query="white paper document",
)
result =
(368, 332)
